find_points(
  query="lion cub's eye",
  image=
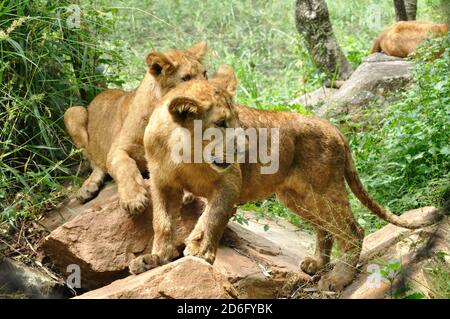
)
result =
(187, 77)
(221, 123)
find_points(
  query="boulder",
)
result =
(396, 259)
(257, 259)
(251, 262)
(188, 277)
(71, 208)
(377, 79)
(259, 262)
(102, 238)
(316, 98)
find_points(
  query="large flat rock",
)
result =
(413, 252)
(103, 239)
(188, 277)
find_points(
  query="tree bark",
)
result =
(405, 10)
(400, 10)
(411, 9)
(313, 23)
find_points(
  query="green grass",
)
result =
(257, 38)
(44, 68)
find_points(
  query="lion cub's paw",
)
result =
(143, 263)
(334, 281)
(200, 247)
(87, 192)
(310, 265)
(135, 204)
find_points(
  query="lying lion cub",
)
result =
(314, 164)
(111, 129)
(405, 36)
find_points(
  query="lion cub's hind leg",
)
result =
(324, 244)
(92, 186)
(349, 236)
(328, 210)
(75, 120)
(298, 203)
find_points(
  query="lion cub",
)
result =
(111, 129)
(405, 36)
(313, 164)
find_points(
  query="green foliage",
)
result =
(403, 154)
(257, 38)
(437, 272)
(46, 65)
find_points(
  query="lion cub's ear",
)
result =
(181, 108)
(226, 79)
(159, 63)
(199, 50)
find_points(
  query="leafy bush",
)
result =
(403, 155)
(46, 65)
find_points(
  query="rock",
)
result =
(72, 208)
(103, 239)
(316, 98)
(254, 262)
(188, 277)
(259, 263)
(412, 251)
(375, 79)
(18, 280)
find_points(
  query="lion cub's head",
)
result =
(176, 66)
(200, 112)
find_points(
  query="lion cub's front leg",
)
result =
(91, 187)
(133, 194)
(167, 204)
(204, 239)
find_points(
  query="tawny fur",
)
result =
(404, 37)
(314, 164)
(110, 130)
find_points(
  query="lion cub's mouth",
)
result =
(220, 163)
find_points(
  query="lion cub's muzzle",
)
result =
(219, 163)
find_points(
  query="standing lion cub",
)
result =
(314, 164)
(111, 129)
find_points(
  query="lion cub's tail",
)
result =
(76, 120)
(355, 184)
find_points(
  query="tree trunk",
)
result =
(400, 10)
(313, 23)
(411, 9)
(405, 10)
